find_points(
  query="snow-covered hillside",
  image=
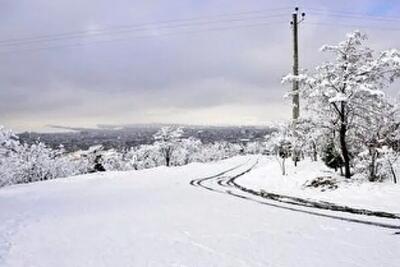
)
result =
(154, 217)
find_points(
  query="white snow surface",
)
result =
(154, 217)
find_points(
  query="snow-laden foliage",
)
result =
(379, 164)
(112, 160)
(22, 163)
(187, 151)
(255, 148)
(305, 137)
(180, 152)
(389, 164)
(281, 144)
(147, 156)
(346, 96)
(297, 140)
(167, 139)
(9, 156)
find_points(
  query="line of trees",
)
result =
(23, 163)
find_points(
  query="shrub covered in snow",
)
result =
(9, 156)
(22, 163)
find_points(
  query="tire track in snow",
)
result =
(309, 203)
(228, 184)
(199, 181)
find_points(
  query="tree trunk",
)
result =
(315, 155)
(343, 144)
(295, 156)
(372, 167)
(167, 157)
(393, 173)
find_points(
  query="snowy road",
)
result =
(155, 218)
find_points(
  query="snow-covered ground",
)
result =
(377, 196)
(155, 218)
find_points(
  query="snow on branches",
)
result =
(22, 163)
(346, 96)
(167, 140)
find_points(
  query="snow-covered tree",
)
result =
(113, 160)
(255, 147)
(349, 87)
(148, 156)
(23, 163)
(187, 151)
(208, 152)
(306, 136)
(389, 162)
(39, 162)
(130, 159)
(376, 128)
(167, 140)
(280, 144)
(9, 156)
(93, 158)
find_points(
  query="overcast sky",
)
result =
(220, 69)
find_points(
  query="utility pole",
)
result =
(295, 92)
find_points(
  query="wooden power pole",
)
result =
(295, 92)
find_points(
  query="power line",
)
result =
(143, 37)
(194, 22)
(122, 27)
(144, 27)
(349, 13)
(354, 17)
(353, 26)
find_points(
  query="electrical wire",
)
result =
(355, 14)
(143, 37)
(144, 27)
(352, 25)
(192, 25)
(122, 27)
(352, 17)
